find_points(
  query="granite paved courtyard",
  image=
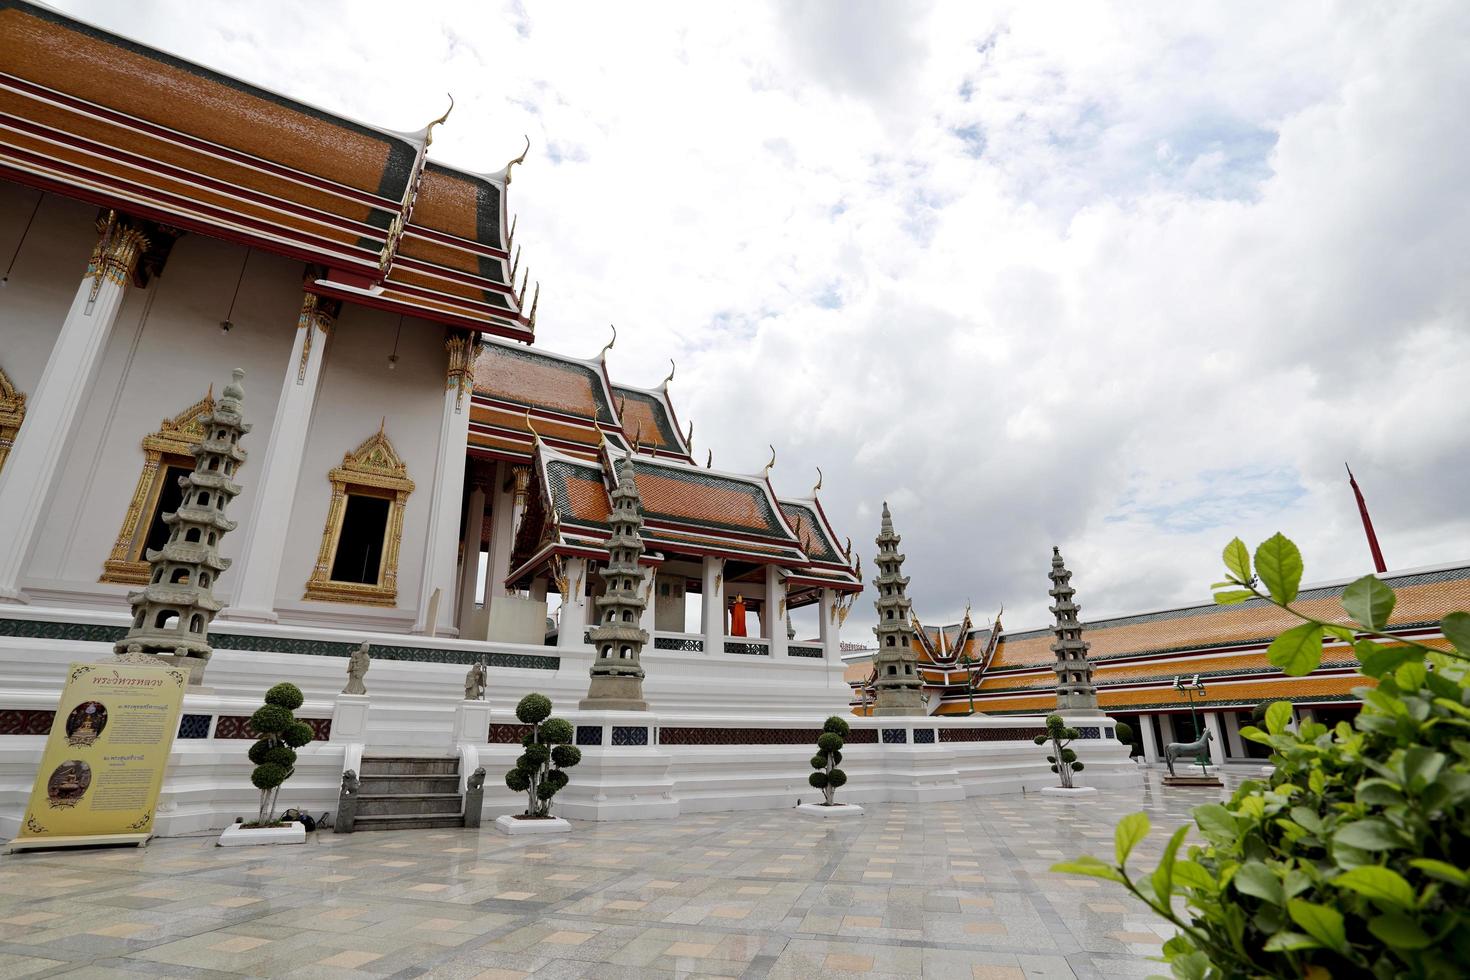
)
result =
(936, 890)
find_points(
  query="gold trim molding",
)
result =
(12, 414)
(462, 348)
(175, 437)
(373, 468)
(319, 312)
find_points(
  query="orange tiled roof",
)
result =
(532, 378)
(1311, 687)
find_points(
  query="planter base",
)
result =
(1192, 781)
(238, 836)
(508, 824)
(842, 811)
(1069, 792)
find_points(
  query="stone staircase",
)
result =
(403, 792)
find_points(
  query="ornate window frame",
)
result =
(175, 438)
(375, 468)
(12, 414)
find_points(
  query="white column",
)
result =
(1217, 744)
(650, 589)
(830, 631)
(1150, 740)
(712, 605)
(51, 411)
(445, 507)
(502, 534)
(773, 615)
(276, 470)
(1231, 722)
(474, 530)
(574, 606)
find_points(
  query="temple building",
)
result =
(1132, 662)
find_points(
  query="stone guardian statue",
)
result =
(357, 668)
(474, 683)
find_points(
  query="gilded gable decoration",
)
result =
(372, 470)
(172, 444)
(12, 414)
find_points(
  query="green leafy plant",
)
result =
(1063, 760)
(274, 753)
(540, 770)
(1125, 734)
(828, 778)
(1350, 860)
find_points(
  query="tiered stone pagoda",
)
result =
(1075, 690)
(172, 613)
(617, 640)
(896, 679)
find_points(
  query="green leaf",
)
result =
(1410, 676)
(1421, 765)
(1278, 716)
(1217, 822)
(1381, 885)
(1286, 942)
(1441, 870)
(1399, 931)
(1307, 818)
(1238, 560)
(1191, 966)
(1087, 865)
(1192, 875)
(1257, 880)
(1231, 597)
(1369, 602)
(1321, 922)
(1131, 829)
(1297, 651)
(1342, 633)
(1367, 835)
(1163, 876)
(1279, 563)
(1456, 629)
(1378, 661)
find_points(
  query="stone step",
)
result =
(384, 785)
(408, 765)
(417, 821)
(405, 804)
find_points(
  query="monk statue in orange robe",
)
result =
(737, 616)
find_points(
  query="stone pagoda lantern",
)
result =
(1075, 691)
(617, 640)
(897, 680)
(172, 613)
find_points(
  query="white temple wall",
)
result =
(357, 393)
(52, 261)
(164, 353)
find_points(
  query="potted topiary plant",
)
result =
(540, 772)
(274, 755)
(1063, 760)
(1126, 735)
(828, 778)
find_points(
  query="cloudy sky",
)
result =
(1130, 278)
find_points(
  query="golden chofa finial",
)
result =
(638, 438)
(609, 345)
(511, 237)
(429, 129)
(689, 436)
(672, 368)
(521, 295)
(819, 482)
(515, 264)
(519, 159)
(765, 473)
(535, 301)
(709, 461)
(535, 436)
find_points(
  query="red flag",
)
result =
(1367, 524)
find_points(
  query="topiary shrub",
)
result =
(1350, 861)
(1125, 734)
(274, 754)
(828, 778)
(1063, 760)
(538, 772)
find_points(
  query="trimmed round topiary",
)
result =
(533, 709)
(556, 730)
(268, 776)
(556, 778)
(535, 755)
(566, 756)
(818, 780)
(836, 726)
(285, 695)
(271, 719)
(829, 742)
(1124, 732)
(297, 734)
(282, 756)
(518, 780)
(819, 762)
(258, 751)
(836, 758)
(836, 778)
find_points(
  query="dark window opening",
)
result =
(170, 496)
(360, 542)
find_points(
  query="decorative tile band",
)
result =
(17, 721)
(589, 734)
(93, 633)
(684, 644)
(629, 735)
(749, 649)
(923, 736)
(238, 726)
(814, 653)
(508, 734)
(194, 726)
(895, 736)
(989, 734)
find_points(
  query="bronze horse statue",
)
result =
(1175, 750)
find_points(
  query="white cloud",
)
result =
(1124, 278)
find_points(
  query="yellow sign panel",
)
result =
(104, 761)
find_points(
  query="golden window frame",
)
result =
(372, 469)
(174, 440)
(12, 414)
